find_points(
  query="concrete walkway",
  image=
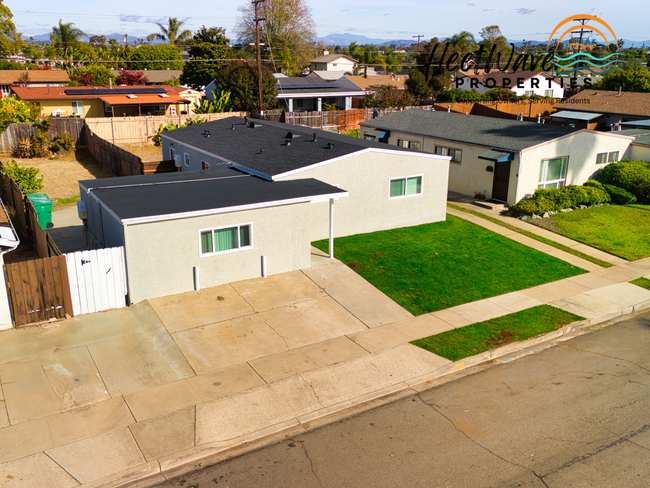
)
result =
(68, 231)
(146, 393)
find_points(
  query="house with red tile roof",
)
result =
(35, 78)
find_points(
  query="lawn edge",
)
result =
(532, 235)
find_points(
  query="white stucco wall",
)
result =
(528, 85)
(581, 148)
(637, 152)
(368, 208)
(160, 256)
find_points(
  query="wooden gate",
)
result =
(97, 280)
(501, 180)
(38, 290)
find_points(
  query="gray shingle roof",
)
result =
(510, 135)
(263, 149)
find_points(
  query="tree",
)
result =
(156, 57)
(93, 75)
(464, 41)
(417, 86)
(14, 111)
(10, 40)
(240, 79)
(172, 33)
(65, 38)
(428, 61)
(96, 41)
(288, 30)
(208, 43)
(635, 79)
(388, 96)
(131, 78)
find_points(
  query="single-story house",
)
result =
(304, 94)
(389, 187)
(505, 160)
(520, 82)
(104, 101)
(604, 108)
(186, 230)
(35, 78)
(332, 62)
(639, 150)
(155, 76)
(373, 83)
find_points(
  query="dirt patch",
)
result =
(354, 266)
(548, 224)
(62, 174)
(146, 152)
(506, 338)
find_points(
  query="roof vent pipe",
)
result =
(330, 145)
(245, 120)
(448, 109)
(232, 127)
(539, 118)
(314, 140)
(207, 133)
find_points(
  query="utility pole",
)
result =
(419, 37)
(259, 56)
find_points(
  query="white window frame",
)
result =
(560, 182)
(406, 178)
(612, 157)
(446, 153)
(76, 105)
(205, 165)
(602, 156)
(237, 249)
(529, 93)
(186, 159)
(548, 93)
(409, 143)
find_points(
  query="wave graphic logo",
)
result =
(582, 39)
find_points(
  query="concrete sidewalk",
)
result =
(138, 395)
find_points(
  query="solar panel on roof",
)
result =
(113, 91)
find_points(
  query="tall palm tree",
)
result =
(464, 40)
(172, 32)
(65, 37)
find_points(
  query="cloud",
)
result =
(129, 18)
(345, 10)
(472, 4)
(524, 11)
(386, 15)
(488, 10)
(159, 20)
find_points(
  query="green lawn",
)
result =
(436, 266)
(621, 230)
(642, 282)
(476, 338)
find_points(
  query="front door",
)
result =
(501, 180)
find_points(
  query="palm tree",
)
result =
(463, 40)
(172, 33)
(65, 37)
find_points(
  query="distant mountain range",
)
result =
(118, 37)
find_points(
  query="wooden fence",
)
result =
(28, 218)
(140, 130)
(38, 290)
(15, 132)
(529, 108)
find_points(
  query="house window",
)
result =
(300, 103)
(613, 157)
(548, 93)
(187, 159)
(529, 92)
(447, 151)
(406, 187)
(225, 239)
(5, 90)
(205, 165)
(601, 158)
(552, 173)
(408, 144)
(160, 108)
(77, 108)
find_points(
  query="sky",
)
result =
(381, 19)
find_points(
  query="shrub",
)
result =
(619, 195)
(547, 199)
(62, 142)
(632, 176)
(13, 111)
(594, 183)
(26, 178)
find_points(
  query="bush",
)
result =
(619, 195)
(594, 183)
(14, 111)
(26, 178)
(62, 142)
(632, 176)
(548, 199)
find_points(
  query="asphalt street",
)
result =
(573, 415)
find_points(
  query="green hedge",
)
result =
(548, 199)
(619, 195)
(632, 176)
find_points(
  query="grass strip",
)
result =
(435, 266)
(477, 338)
(642, 282)
(532, 235)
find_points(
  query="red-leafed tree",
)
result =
(132, 78)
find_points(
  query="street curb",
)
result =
(200, 457)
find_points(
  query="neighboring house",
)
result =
(520, 82)
(639, 150)
(305, 94)
(93, 101)
(333, 62)
(156, 77)
(191, 95)
(604, 108)
(327, 76)
(389, 187)
(373, 83)
(185, 231)
(35, 78)
(505, 160)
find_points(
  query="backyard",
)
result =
(621, 230)
(436, 266)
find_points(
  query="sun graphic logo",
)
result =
(582, 40)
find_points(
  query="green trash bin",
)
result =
(43, 207)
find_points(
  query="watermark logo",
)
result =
(583, 40)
